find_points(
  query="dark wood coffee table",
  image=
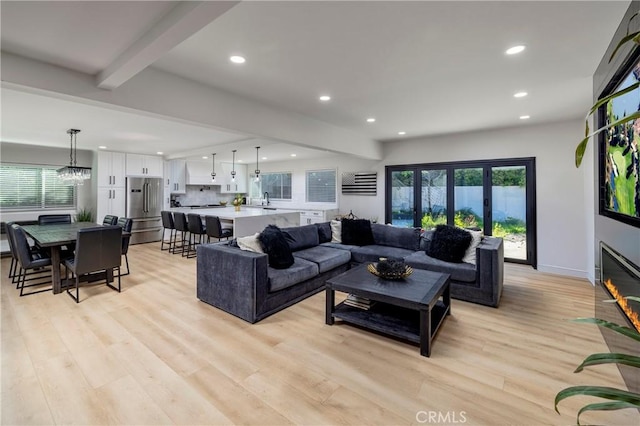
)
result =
(411, 309)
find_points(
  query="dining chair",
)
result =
(28, 260)
(50, 219)
(97, 250)
(197, 232)
(15, 270)
(110, 220)
(167, 223)
(126, 224)
(215, 229)
(180, 221)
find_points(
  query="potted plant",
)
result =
(237, 202)
(84, 215)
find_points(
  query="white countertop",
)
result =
(230, 213)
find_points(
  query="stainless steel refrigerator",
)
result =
(144, 203)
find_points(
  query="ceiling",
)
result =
(425, 68)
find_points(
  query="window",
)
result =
(34, 187)
(321, 186)
(278, 185)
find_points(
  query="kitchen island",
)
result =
(248, 220)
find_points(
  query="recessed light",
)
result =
(102, 147)
(159, 152)
(237, 59)
(514, 50)
(204, 157)
(264, 158)
(371, 120)
(520, 94)
(524, 117)
(402, 133)
(325, 98)
(293, 155)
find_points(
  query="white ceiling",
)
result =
(426, 68)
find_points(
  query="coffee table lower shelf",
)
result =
(392, 320)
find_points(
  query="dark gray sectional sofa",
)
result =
(242, 283)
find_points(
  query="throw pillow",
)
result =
(449, 243)
(470, 254)
(250, 243)
(357, 232)
(275, 245)
(336, 231)
(324, 232)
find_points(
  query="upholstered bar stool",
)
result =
(215, 229)
(196, 232)
(167, 223)
(180, 222)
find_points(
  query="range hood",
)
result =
(198, 173)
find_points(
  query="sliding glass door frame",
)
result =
(487, 165)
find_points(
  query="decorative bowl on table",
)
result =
(390, 269)
(223, 203)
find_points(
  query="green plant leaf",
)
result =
(626, 39)
(625, 331)
(634, 298)
(609, 358)
(605, 406)
(583, 144)
(600, 392)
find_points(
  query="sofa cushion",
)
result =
(301, 270)
(275, 245)
(356, 232)
(326, 258)
(324, 232)
(336, 231)
(470, 254)
(373, 252)
(301, 237)
(340, 246)
(249, 243)
(395, 236)
(464, 272)
(449, 243)
(425, 240)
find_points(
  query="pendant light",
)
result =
(213, 167)
(73, 174)
(257, 167)
(233, 166)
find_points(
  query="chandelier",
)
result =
(74, 174)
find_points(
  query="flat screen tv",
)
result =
(619, 147)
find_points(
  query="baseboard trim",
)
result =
(559, 270)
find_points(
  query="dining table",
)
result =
(54, 237)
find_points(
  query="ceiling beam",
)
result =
(180, 23)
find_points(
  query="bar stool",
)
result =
(180, 222)
(196, 232)
(167, 223)
(215, 229)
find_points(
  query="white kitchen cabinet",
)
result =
(111, 169)
(166, 185)
(178, 177)
(110, 201)
(308, 217)
(226, 185)
(144, 165)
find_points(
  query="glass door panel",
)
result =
(402, 198)
(468, 198)
(509, 209)
(434, 198)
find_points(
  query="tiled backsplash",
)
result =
(201, 194)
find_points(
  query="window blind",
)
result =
(278, 185)
(321, 186)
(25, 187)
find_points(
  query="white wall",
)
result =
(561, 214)
(32, 154)
(362, 206)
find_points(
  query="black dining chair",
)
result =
(28, 260)
(15, 270)
(51, 219)
(215, 229)
(197, 232)
(97, 250)
(180, 222)
(125, 223)
(167, 223)
(110, 220)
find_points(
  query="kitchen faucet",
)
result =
(266, 196)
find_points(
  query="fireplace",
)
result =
(619, 278)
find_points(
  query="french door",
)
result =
(497, 196)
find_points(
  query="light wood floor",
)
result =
(154, 354)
